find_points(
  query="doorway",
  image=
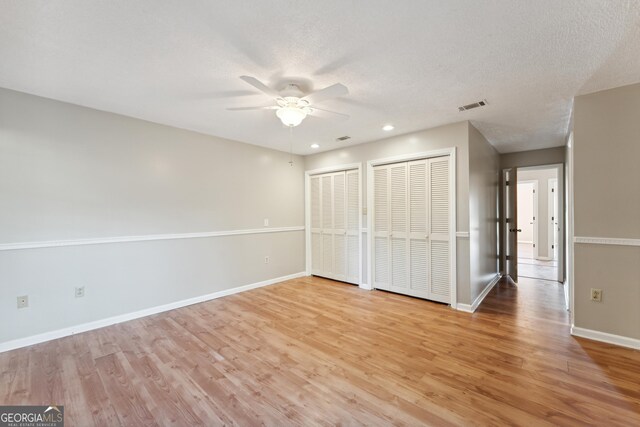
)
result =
(537, 200)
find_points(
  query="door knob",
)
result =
(513, 230)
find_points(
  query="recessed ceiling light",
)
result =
(387, 127)
(314, 146)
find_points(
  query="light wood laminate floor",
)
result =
(317, 352)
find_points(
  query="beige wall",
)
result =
(547, 156)
(484, 162)
(69, 172)
(607, 204)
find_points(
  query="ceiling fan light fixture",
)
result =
(291, 116)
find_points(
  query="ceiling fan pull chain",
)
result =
(291, 144)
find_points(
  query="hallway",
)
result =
(534, 268)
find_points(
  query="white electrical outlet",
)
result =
(596, 295)
(266, 222)
(266, 260)
(23, 301)
(80, 292)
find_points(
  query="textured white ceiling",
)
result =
(410, 63)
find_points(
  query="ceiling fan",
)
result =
(292, 105)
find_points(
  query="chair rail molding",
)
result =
(606, 241)
(143, 238)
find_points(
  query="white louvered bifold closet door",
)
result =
(335, 226)
(411, 246)
(353, 226)
(440, 247)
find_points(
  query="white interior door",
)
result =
(525, 212)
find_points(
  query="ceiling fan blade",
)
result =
(261, 86)
(269, 107)
(321, 112)
(332, 91)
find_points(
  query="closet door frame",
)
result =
(451, 152)
(307, 215)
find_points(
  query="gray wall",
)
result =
(484, 166)
(69, 172)
(607, 204)
(547, 156)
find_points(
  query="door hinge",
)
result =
(553, 247)
(553, 189)
(508, 257)
(534, 245)
(534, 191)
(506, 183)
(552, 218)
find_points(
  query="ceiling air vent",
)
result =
(474, 105)
(343, 138)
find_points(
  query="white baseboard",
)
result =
(606, 337)
(470, 308)
(365, 286)
(60, 333)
